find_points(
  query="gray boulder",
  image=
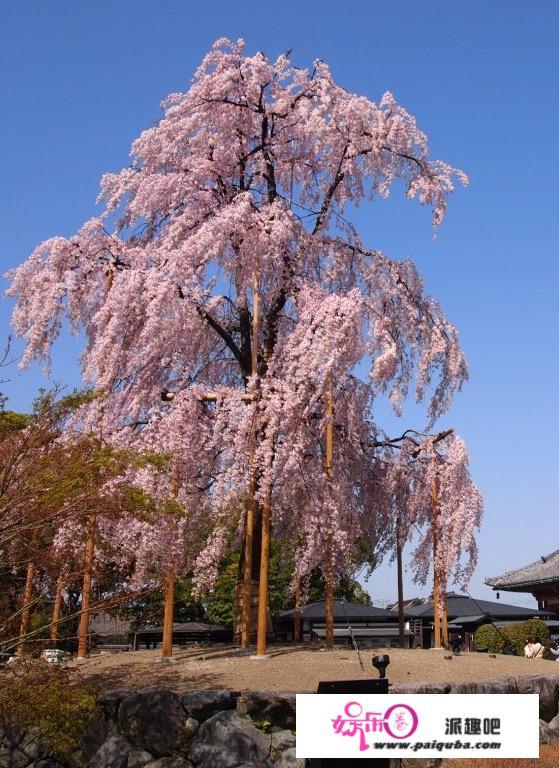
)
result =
(170, 762)
(497, 685)
(283, 740)
(554, 725)
(228, 740)
(111, 700)
(547, 686)
(97, 730)
(545, 732)
(112, 754)
(203, 704)
(20, 748)
(138, 758)
(419, 688)
(275, 708)
(46, 762)
(287, 759)
(154, 721)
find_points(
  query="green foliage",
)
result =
(34, 694)
(488, 636)
(220, 606)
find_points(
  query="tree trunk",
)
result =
(56, 611)
(83, 631)
(329, 576)
(26, 612)
(297, 618)
(168, 611)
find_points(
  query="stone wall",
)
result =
(223, 729)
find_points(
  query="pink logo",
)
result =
(399, 721)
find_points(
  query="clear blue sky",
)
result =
(79, 81)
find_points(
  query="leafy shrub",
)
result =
(34, 694)
(488, 636)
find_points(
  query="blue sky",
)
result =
(79, 81)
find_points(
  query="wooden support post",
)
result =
(264, 578)
(26, 612)
(83, 630)
(297, 618)
(168, 611)
(56, 610)
(436, 575)
(329, 576)
(250, 502)
(401, 635)
(444, 619)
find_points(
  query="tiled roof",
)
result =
(465, 606)
(354, 612)
(543, 570)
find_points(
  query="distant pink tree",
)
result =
(225, 296)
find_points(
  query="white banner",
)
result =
(417, 725)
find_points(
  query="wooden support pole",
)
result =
(264, 578)
(444, 618)
(297, 618)
(401, 635)
(168, 611)
(26, 612)
(56, 610)
(329, 576)
(250, 502)
(436, 575)
(83, 630)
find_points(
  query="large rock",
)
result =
(554, 725)
(548, 688)
(275, 708)
(20, 748)
(228, 740)
(154, 721)
(283, 740)
(170, 762)
(419, 688)
(545, 732)
(203, 704)
(112, 754)
(497, 685)
(110, 702)
(287, 759)
(138, 758)
(97, 730)
(46, 762)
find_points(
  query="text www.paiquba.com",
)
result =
(438, 745)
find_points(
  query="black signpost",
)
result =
(351, 687)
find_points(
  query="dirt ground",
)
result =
(293, 668)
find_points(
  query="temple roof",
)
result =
(470, 609)
(542, 571)
(353, 611)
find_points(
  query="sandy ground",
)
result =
(293, 668)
